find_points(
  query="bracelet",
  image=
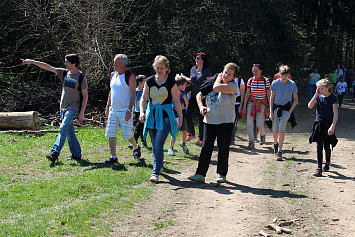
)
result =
(129, 110)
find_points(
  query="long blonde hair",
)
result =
(326, 83)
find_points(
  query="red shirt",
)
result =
(257, 88)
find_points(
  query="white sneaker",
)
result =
(221, 179)
(154, 178)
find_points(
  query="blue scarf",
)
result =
(159, 123)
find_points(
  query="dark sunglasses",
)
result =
(198, 57)
(256, 65)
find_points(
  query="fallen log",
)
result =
(19, 120)
(30, 131)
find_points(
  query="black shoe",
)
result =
(52, 157)
(326, 166)
(144, 145)
(318, 173)
(110, 161)
(137, 152)
(276, 148)
(75, 157)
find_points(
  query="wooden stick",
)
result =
(277, 228)
(262, 233)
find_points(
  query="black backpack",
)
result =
(81, 77)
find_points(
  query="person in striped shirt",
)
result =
(256, 104)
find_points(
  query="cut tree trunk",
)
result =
(19, 120)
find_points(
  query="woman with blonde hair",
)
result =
(219, 115)
(159, 117)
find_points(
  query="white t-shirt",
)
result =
(120, 95)
(341, 87)
(238, 88)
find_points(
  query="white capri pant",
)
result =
(115, 119)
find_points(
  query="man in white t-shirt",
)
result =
(119, 107)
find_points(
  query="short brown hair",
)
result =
(180, 79)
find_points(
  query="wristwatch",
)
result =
(129, 110)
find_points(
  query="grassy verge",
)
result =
(71, 198)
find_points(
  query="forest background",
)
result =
(302, 34)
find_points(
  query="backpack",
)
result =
(127, 75)
(81, 77)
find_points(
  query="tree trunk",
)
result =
(19, 120)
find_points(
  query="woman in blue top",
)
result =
(159, 117)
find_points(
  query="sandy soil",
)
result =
(259, 189)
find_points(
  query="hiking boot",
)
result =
(137, 152)
(52, 157)
(74, 157)
(318, 173)
(112, 160)
(184, 148)
(276, 148)
(221, 179)
(171, 152)
(130, 146)
(279, 156)
(326, 166)
(197, 178)
(251, 145)
(189, 138)
(154, 178)
(262, 140)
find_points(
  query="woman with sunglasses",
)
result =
(198, 74)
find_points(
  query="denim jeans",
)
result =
(158, 138)
(66, 131)
(311, 90)
(223, 134)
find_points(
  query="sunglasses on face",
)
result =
(256, 65)
(198, 57)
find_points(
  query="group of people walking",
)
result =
(159, 105)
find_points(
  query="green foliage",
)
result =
(299, 33)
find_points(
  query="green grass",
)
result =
(72, 198)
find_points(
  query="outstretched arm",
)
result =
(42, 65)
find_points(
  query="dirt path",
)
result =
(259, 189)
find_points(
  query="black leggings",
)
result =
(223, 134)
(320, 145)
(190, 125)
(340, 98)
(138, 131)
